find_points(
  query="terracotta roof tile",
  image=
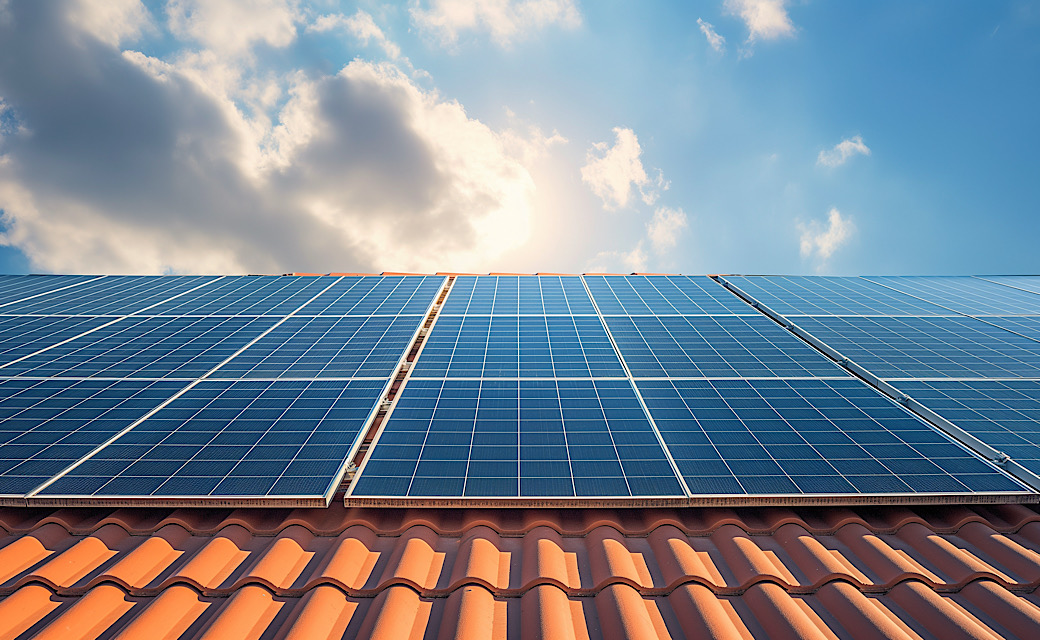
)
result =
(899, 572)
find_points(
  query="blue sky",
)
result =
(749, 136)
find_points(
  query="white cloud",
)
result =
(717, 42)
(358, 171)
(633, 261)
(112, 21)
(504, 20)
(820, 241)
(842, 151)
(765, 20)
(612, 171)
(664, 228)
(361, 26)
(232, 27)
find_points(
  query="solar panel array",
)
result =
(241, 389)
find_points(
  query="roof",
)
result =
(811, 572)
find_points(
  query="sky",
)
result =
(724, 136)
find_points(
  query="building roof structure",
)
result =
(953, 553)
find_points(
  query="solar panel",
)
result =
(24, 335)
(516, 295)
(1004, 414)
(46, 425)
(1026, 283)
(935, 347)
(509, 438)
(109, 295)
(145, 347)
(324, 347)
(755, 437)
(663, 295)
(518, 346)
(965, 294)
(246, 295)
(714, 346)
(233, 439)
(14, 288)
(830, 295)
(376, 295)
(1028, 326)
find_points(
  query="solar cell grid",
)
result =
(233, 439)
(46, 425)
(14, 288)
(965, 294)
(714, 346)
(663, 295)
(1028, 326)
(246, 295)
(830, 295)
(936, 347)
(324, 347)
(145, 347)
(1027, 283)
(376, 295)
(765, 437)
(518, 346)
(517, 295)
(23, 335)
(110, 295)
(508, 438)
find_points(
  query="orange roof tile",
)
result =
(819, 572)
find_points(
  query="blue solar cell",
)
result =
(324, 347)
(518, 346)
(830, 295)
(929, 347)
(664, 295)
(23, 335)
(376, 295)
(109, 295)
(518, 295)
(46, 425)
(965, 294)
(233, 439)
(714, 346)
(1025, 283)
(246, 295)
(760, 437)
(15, 288)
(508, 438)
(145, 347)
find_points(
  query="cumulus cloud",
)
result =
(120, 162)
(765, 20)
(820, 240)
(504, 20)
(612, 171)
(361, 26)
(112, 21)
(232, 27)
(664, 228)
(717, 42)
(842, 151)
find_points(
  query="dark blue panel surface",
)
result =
(965, 294)
(376, 295)
(528, 438)
(769, 437)
(23, 335)
(518, 295)
(234, 439)
(14, 288)
(1003, 414)
(247, 295)
(326, 347)
(714, 346)
(46, 425)
(146, 347)
(664, 295)
(110, 295)
(936, 347)
(518, 346)
(830, 295)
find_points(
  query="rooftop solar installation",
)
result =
(245, 295)
(14, 288)
(526, 438)
(967, 295)
(664, 295)
(807, 437)
(46, 425)
(326, 347)
(831, 295)
(21, 336)
(936, 347)
(110, 295)
(714, 346)
(233, 439)
(145, 347)
(518, 346)
(371, 295)
(518, 295)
